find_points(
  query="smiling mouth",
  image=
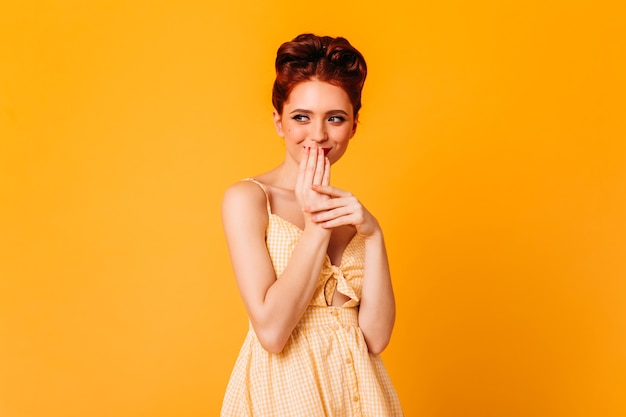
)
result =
(326, 150)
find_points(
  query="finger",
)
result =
(327, 205)
(311, 162)
(330, 210)
(338, 221)
(330, 224)
(326, 178)
(331, 191)
(302, 167)
(319, 167)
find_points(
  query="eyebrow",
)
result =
(327, 113)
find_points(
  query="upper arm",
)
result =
(245, 218)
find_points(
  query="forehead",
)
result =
(315, 94)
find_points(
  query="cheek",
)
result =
(344, 135)
(294, 132)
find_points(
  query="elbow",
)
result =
(376, 339)
(377, 347)
(272, 341)
(272, 347)
(377, 334)
(272, 334)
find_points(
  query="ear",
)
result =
(278, 123)
(354, 125)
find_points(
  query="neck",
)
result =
(287, 174)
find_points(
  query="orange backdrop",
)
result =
(492, 148)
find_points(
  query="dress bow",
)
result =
(338, 279)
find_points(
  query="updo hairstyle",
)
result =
(310, 57)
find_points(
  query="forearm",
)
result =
(377, 310)
(288, 297)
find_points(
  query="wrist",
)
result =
(316, 230)
(376, 235)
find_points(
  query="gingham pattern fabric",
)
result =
(325, 368)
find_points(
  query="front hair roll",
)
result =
(324, 58)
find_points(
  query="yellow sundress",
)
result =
(325, 368)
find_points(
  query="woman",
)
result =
(309, 259)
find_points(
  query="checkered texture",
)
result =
(325, 368)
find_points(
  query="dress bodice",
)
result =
(281, 238)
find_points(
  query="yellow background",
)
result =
(492, 148)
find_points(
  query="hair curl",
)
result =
(308, 57)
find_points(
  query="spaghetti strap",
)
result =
(325, 343)
(267, 196)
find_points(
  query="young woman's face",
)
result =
(316, 113)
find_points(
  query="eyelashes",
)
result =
(333, 119)
(300, 118)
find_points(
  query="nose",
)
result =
(318, 133)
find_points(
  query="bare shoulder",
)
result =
(244, 203)
(244, 192)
